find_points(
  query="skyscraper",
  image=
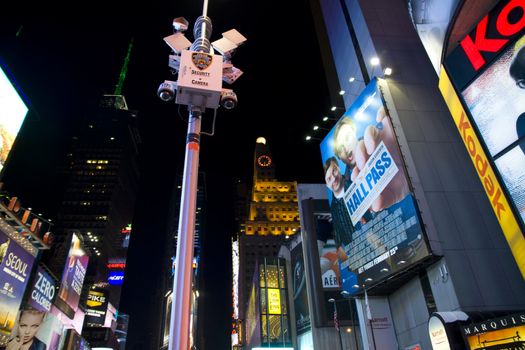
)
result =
(273, 216)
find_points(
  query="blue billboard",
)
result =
(376, 224)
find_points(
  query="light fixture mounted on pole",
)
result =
(199, 86)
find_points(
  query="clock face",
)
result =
(264, 160)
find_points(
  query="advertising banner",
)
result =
(300, 296)
(96, 306)
(376, 223)
(43, 291)
(36, 329)
(15, 269)
(431, 19)
(12, 113)
(73, 275)
(496, 100)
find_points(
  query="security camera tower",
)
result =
(199, 86)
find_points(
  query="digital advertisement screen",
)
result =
(496, 101)
(12, 113)
(300, 295)
(74, 273)
(376, 223)
(96, 306)
(15, 269)
(431, 19)
(43, 291)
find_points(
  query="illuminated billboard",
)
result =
(43, 291)
(36, 329)
(501, 124)
(487, 70)
(496, 334)
(73, 276)
(15, 268)
(12, 113)
(96, 307)
(376, 222)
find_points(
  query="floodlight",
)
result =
(234, 36)
(388, 71)
(230, 73)
(177, 42)
(374, 61)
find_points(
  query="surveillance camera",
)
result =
(167, 90)
(180, 24)
(228, 99)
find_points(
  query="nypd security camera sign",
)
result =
(200, 79)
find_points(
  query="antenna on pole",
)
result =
(123, 71)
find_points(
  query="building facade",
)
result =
(467, 265)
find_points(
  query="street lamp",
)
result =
(347, 295)
(336, 322)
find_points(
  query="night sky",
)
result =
(65, 63)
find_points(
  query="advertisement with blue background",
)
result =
(15, 269)
(376, 224)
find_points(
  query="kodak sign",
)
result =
(508, 20)
(486, 174)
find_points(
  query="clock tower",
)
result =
(273, 216)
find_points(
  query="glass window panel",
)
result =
(271, 276)
(284, 310)
(261, 276)
(263, 329)
(275, 328)
(263, 300)
(281, 277)
(286, 330)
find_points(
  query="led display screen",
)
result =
(376, 223)
(496, 101)
(12, 113)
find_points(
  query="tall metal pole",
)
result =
(180, 311)
(338, 327)
(352, 308)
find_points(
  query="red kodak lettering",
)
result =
(481, 43)
(503, 25)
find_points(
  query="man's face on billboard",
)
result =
(333, 178)
(347, 140)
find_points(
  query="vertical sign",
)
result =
(15, 268)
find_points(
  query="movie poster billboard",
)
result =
(376, 223)
(496, 101)
(431, 19)
(12, 114)
(300, 295)
(35, 329)
(15, 270)
(43, 291)
(73, 275)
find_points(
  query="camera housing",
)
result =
(167, 90)
(228, 99)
